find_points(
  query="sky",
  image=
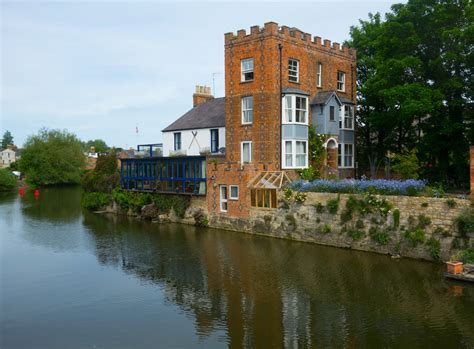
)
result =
(103, 69)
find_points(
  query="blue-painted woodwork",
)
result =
(179, 175)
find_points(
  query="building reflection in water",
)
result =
(271, 293)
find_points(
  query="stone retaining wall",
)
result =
(308, 222)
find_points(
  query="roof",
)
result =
(292, 90)
(206, 115)
(269, 180)
(324, 96)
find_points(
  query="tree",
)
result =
(415, 85)
(52, 157)
(99, 145)
(7, 139)
(104, 177)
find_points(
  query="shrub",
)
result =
(415, 236)
(456, 243)
(300, 197)
(396, 218)
(409, 187)
(451, 203)
(355, 234)
(406, 164)
(333, 205)
(95, 201)
(465, 223)
(382, 238)
(465, 256)
(434, 248)
(346, 216)
(325, 229)
(8, 180)
(319, 207)
(288, 192)
(423, 221)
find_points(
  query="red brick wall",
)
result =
(261, 44)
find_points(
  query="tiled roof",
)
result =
(324, 96)
(292, 90)
(206, 115)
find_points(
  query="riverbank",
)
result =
(426, 228)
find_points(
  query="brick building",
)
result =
(279, 81)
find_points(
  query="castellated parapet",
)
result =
(288, 34)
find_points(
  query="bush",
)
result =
(300, 197)
(382, 238)
(333, 205)
(396, 218)
(423, 221)
(410, 187)
(356, 234)
(8, 180)
(434, 248)
(415, 236)
(406, 164)
(319, 207)
(95, 201)
(104, 177)
(465, 223)
(465, 256)
(451, 203)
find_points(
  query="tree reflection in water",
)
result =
(272, 293)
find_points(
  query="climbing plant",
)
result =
(316, 156)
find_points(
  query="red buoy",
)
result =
(37, 193)
(22, 192)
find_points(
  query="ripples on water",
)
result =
(79, 280)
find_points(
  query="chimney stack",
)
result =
(202, 95)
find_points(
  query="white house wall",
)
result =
(191, 144)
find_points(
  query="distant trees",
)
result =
(415, 86)
(7, 139)
(52, 157)
(99, 145)
(104, 177)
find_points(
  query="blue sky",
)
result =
(99, 69)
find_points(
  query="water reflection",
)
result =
(272, 293)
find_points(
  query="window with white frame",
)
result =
(345, 155)
(348, 117)
(319, 71)
(177, 141)
(246, 68)
(293, 70)
(341, 81)
(295, 154)
(214, 140)
(246, 152)
(223, 198)
(295, 109)
(247, 110)
(234, 192)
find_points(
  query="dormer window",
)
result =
(295, 109)
(246, 68)
(293, 70)
(341, 81)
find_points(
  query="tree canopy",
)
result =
(415, 86)
(99, 145)
(7, 139)
(52, 157)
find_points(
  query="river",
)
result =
(73, 279)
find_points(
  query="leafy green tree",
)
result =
(7, 139)
(406, 164)
(8, 180)
(99, 145)
(52, 157)
(415, 85)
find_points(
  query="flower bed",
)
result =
(410, 187)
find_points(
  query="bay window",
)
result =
(295, 109)
(348, 117)
(295, 154)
